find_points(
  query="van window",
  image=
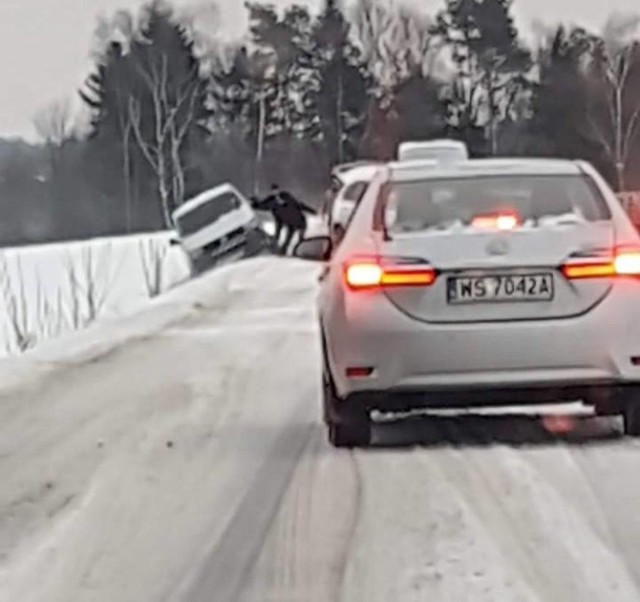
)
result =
(207, 213)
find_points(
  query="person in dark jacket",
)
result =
(288, 214)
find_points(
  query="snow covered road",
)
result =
(179, 457)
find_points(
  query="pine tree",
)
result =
(342, 94)
(491, 67)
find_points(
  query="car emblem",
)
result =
(498, 246)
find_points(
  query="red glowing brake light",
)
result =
(502, 220)
(362, 274)
(625, 262)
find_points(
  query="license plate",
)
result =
(493, 288)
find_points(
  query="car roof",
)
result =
(205, 197)
(444, 147)
(364, 171)
(416, 170)
(345, 167)
(437, 143)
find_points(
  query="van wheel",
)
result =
(200, 265)
(255, 244)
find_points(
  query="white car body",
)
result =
(393, 347)
(215, 224)
(354, 182)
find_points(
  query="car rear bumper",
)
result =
(478, 363)
(606, 396)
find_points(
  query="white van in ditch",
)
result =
(218, 224)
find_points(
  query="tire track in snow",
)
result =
(305, 555)
(223, 571)
(552, 546)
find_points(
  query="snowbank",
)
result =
(49, 290)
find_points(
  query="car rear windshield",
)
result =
(207, 213)
(449, 203)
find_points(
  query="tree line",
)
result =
(175, 108)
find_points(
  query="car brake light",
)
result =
(496, 221)
(363, 275)
(373, 273)
(626, 262)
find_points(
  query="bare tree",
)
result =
(89, 283)
(613, 70)
(396, 42)
(55, 122)
(152, 256)
(55, 125)
(30, 319)
(173, 115)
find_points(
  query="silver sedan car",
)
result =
(481, 283)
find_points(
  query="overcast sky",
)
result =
(44, 44)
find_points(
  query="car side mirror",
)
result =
(316, 248)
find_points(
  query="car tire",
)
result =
(350, 434)
(199, 265)
(631, 417)
(347, 425)
(257, 242)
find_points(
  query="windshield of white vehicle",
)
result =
(207, 213)
(532, 200)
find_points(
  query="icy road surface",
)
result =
(178, 456)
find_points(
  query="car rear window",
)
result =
(207, 213)
(448, 203)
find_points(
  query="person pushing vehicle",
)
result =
(288, 214)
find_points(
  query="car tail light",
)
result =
(359, 371)
(363, 274)
(625, 262)
(368, 273)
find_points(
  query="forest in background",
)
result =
(174, 107)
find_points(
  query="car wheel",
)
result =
(631, 417)
(257, 242)
(347, 426)
(350, 434)
(200, 265)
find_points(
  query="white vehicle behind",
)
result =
(218, 224)
(443, 151)
(352, 180)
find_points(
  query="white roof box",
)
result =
(443, 151)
